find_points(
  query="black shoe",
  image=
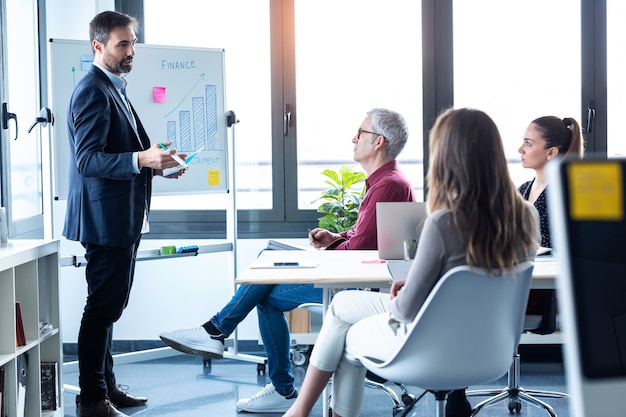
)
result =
(121, 399)
(102, 408)
(457, 404)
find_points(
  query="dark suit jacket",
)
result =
(106, 201)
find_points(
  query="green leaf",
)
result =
(332, 175)
(342, 199)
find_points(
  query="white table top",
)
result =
(361, 268)
(330, 268)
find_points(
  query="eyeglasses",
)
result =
(358, 135)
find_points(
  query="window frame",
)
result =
(34, 226)
(594, 75)
(285, 220)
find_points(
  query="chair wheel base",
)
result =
(515, 405)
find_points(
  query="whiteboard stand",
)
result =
(231, 234)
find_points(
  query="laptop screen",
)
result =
(395, 223)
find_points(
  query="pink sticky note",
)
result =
(158, 94)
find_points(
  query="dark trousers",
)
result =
(109, 276)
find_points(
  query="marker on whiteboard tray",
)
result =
(175, 157)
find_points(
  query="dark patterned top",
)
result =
(541, 204)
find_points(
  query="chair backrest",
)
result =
(466, 332)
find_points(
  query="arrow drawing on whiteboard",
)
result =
(186, 95)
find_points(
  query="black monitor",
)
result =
(587, 215)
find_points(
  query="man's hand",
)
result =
(320, 238)
(157, 158)
(396, 286)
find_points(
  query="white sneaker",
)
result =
(196, 341)
(268, 400)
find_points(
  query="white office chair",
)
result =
(301, 353)
(465, 334)
(513, 392)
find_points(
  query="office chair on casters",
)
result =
(513, 392)
(443, 351)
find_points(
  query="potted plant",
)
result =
(341, 201)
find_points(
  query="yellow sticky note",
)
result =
(595, 191)
(214, 177)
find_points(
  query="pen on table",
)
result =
(176, 157)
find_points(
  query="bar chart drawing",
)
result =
(196, 128)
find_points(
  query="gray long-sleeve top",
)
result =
(441, 247)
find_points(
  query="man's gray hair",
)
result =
(393, 127)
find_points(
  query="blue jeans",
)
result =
(271, 302)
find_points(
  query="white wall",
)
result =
(167, 294)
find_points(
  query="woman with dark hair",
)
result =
(546, 138)
(477, 218)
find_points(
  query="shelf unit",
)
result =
(29, 273)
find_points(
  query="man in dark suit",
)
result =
(111, 170)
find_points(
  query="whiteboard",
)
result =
(178, 93)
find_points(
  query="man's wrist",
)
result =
(136, 167)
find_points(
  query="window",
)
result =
(325, 63)
(364, 54)
(358, 69)
(243, 33)
(517, 60)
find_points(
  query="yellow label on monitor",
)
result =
(214, 177)
(595, 191)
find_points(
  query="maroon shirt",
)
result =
(387, 183)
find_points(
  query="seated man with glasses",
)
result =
(378, 142)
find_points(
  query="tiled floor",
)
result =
(181, 386)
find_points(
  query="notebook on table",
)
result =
(395, 223)
(282, 245)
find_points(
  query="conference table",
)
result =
(351, 268)
(347, 269)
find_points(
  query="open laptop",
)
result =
(395, 223)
